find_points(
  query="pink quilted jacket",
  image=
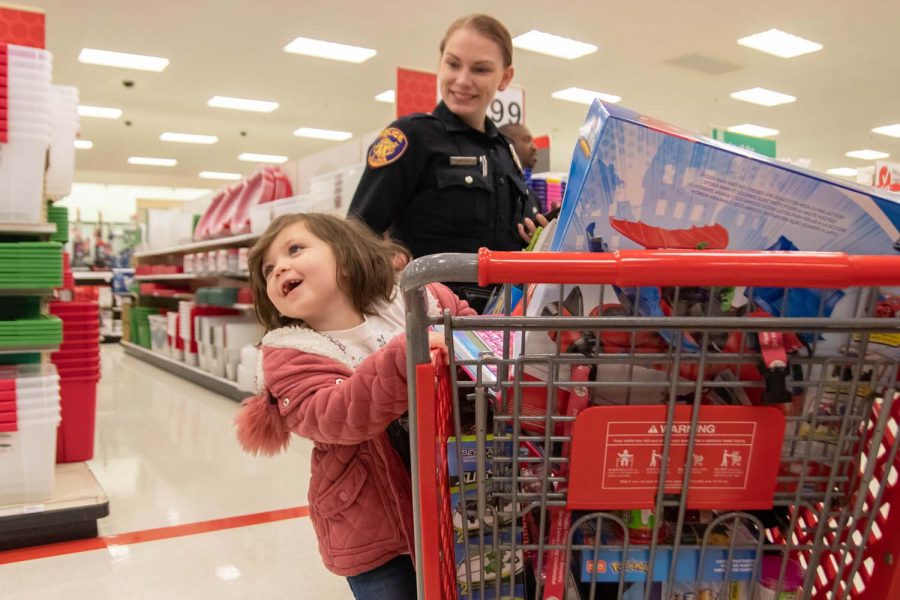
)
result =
(360, 499)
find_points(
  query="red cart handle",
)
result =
(629, 268)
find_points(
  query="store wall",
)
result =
(117, 203)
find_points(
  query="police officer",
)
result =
(449, 181)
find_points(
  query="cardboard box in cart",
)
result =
(636, 182)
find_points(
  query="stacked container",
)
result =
(29, 417)
(78, 364)
(63, 131)
(25, 73)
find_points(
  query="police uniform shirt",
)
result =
(439, 185)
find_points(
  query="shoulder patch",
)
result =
(388, 148)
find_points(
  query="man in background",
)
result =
(523, 144)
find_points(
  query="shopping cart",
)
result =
(525, 471)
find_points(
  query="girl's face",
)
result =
(470, 74)
(302, 281)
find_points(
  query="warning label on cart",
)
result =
(620, 454)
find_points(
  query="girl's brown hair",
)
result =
(365, 263)
(487, 26)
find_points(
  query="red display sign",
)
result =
(416, 92)
(617, 457)
(22, 26)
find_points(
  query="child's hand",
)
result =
(436, 342)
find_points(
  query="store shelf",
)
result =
(27, 292)
(27, 228)
(193, 374)
(70, 513)
(237, 240)
(185, 296)
(102, 276)
(172, 277)
(28, 349)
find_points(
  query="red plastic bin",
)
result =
(78, 402)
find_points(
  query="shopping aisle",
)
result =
(167, 457)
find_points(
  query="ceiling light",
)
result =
(321, 49)
(842, 171)
(323, 134)
(554, 45)
(123, 60)
(228, 573)
(152, 162)
(763, 97)
(188, 138)
(219, 175)
(779, 43)
(387, 96)
(582, 96)
(753, 130)
(867, 154)
(891, 130)
(99, 112)
(84, 144)
(263, 158)
(242, 104)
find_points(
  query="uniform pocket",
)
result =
(351, 516)
(467, 192)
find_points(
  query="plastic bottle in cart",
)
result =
(791, 585)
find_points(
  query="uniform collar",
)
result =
(454, 123)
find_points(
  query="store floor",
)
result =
(168, 460)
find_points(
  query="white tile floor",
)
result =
(166, 455)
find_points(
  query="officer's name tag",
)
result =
(463, 161)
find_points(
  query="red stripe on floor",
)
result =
(150, 535)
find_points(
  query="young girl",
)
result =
(333, 369)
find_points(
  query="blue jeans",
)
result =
(394, 580)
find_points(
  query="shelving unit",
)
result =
(70, 514)
(200, 377)
(92, 276)
(78, 500)
(228, 242)
(189, 282)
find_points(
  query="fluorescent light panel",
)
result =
(843, 172)
(188, 138)
(99, 112)
(867, 154)
(553, 45)
(84, 144)
(583, 96)
(323, 134)
(753, 130)
(276, 159)
(779, 43)
(387, 96)
(331, 50)
(123, 60)
(219, 175)
(763, 97)
(152, 162)
(242, 104)
(891, 130)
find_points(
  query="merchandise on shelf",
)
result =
(78, 364)
(29, 416)
(25, 131)
(229, 212)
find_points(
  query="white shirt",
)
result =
(359, 342)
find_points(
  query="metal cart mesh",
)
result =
(503, 446)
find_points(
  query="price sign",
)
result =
(508, 106)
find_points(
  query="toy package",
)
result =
(636, 182)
